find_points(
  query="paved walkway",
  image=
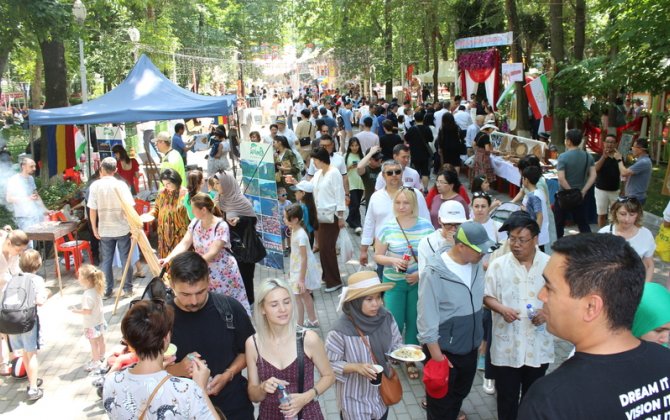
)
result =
(68, 393)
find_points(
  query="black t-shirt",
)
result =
(482, 139)
(369, 181)
(629, 385)
(387, 142)
(608, 178)
(205, 332)
(429, 119)
(417, 137)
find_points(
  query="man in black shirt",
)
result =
(213, 328)
(418, 137)
(607, 180)
(389, 140)
(593, 286)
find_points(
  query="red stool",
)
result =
(71, 246)
(142, 207)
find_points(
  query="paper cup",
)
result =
(378, 380)
(171, 351)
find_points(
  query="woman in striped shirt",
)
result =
(396, 249)
(362, 336)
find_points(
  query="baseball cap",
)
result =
(280, 121)
(474, 235)
(436, 378)
(378, 156)
(451, 211)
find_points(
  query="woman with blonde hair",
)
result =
(275, 357)
(396, 249)
(208, 234)
(626, 221)
(360, 339)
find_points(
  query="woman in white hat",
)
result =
(483, 151)
(360, 338)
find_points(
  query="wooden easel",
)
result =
(138, 237)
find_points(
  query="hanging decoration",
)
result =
(480, 67)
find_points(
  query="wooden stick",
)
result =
(133, 244)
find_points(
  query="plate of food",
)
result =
(408, 353)
(521, 149)
(504, 144)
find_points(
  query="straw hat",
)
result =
(363, 283)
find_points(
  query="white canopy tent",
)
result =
(447, 72)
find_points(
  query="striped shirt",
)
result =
(356, 397)
(391, 235)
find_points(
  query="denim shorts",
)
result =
(95, 332)
(28, 341)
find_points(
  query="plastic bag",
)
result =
(345, 246)
(663, 243)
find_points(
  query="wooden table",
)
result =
(52, 231)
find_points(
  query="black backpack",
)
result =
(18, 311)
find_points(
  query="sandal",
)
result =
(412, 371)
(424, 404)
(5, 369)
(461, 416)
(139, 274)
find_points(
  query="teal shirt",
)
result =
(393, 238)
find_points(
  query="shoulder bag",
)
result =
(306, 141)
(571, 198)
(153, 394)
(409, 245)
(390, 388)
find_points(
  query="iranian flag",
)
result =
(538, 92)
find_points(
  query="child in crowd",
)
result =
(481, 184)
(536, 203)
(29, 342)
(213, 188)
(93, 282)
(305, 273)
(304, 195)
(283, 203)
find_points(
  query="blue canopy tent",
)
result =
(145, 95)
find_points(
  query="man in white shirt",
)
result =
(23, 197)
(109, 222)
(410, 177)
(462, 118)
(451, 215)
(521, 348)
(287, 109)
(298, 107)
(440, 113)
(380, 208)
(366, 137)
(473, 129)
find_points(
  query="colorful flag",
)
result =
(538, 93)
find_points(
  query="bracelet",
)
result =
(316, 394)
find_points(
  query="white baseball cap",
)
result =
(452, 211)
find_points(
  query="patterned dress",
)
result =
(224, 274)
(172, 220)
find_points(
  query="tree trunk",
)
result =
(388, 45)
(580, 29)
(444, 47)
(522, 125)
(4, 58)
(611, 96)
(558, 55)
(436, 65)
(36, 94)
(55, 92)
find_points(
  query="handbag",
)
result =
(306, 141)
(153, 394)
(249, 247)
(571, 198)
(390, 388)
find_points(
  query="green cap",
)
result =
(654, 309)
(474, 235)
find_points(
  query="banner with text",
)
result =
(491, 40)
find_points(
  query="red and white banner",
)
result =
(538, 94)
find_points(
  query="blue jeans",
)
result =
(107, 248)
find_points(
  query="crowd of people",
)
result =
(469, 291)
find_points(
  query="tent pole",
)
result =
(87, 134)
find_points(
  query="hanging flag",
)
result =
(61, 147)
(538, 93)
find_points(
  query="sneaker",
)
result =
(358, 230)
(489, 386)
(332, 289)
(108, 295)
(92, 366)
(481, 362)
(35, 394)
(127, 294)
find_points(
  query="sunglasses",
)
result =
(283, 195)
(626, 199)
(157, 301)
(480, 194)
(393, 172)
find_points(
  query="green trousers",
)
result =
(401, 302)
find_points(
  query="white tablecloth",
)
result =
(506, 169)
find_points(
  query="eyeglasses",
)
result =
(626, 199)
(406, 188)
(520, 241)
(393, 172)
(441, 182)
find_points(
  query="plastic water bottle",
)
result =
(532, 313)
(285, 398)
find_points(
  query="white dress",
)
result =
(313, 274)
